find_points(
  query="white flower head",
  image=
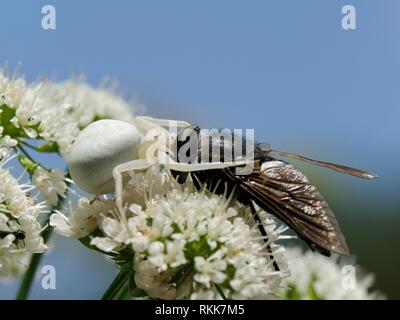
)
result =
(210, 240)
(6, 142)
(212, 269)
(20, 231)
(14, 198)
(7, 247)
(83, 219)
(32, 241)
(52, 183)
(314, 276)
(35, 114)
(86, 104)
(56, 112)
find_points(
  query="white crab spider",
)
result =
(106, 149)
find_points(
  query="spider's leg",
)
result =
(117, 174)
(164, 122)
(144, 125)
(95, 198)
(189, 167)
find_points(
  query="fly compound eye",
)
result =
(20, 235)
(263, 147)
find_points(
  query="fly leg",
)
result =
(263, 233)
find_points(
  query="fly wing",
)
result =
(281, 189)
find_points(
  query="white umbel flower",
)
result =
(20, 232)
(35, 113)
(6, 142)
(56, 112)
(314, 276)
(6, 252)
(83, 219)
(211, 240)
(32, 242)
(13, 195)
(52, 183)
(212, 269)
(87, 104)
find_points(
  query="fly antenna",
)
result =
(337, 167)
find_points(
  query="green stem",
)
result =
(182, 275)
(115, 287)
(22, 149)
(27, 144)
(123, 292)
(187, 273)
(220, 291)
(48, 147)
(26, 153)
(27, 280)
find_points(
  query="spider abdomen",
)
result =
(100, 147)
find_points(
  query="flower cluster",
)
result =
(54, 112)
(184, 243)
(83, 219)
(314, 276)
(19, 229)
(28, 112)
(86, 104)
(36, 117)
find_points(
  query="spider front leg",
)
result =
(154, 122)
(146, 124)
(133, 165)
(189, 167)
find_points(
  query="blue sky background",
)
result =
(285, 68)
